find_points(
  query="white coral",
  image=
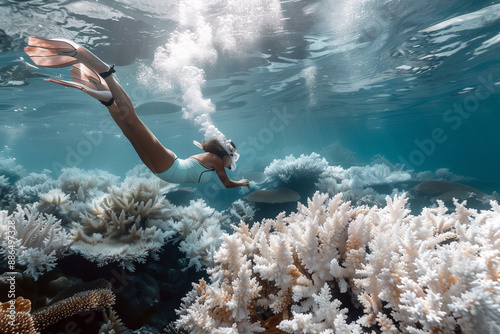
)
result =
(434, 272)
(122, 225)
(39, 240)
(199, 231)
(291, 169)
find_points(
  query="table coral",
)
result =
(435, 272)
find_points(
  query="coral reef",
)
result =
(198, 228)
(98, 297)
(291, 170)
(19, 321)
(331, 267)
(31, 186)
(122, 225)
(39, 239)
(242, 211)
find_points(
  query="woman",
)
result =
(94, 77)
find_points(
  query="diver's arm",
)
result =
(226, 181)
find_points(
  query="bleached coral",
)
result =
(242, 211)
(81, 185)
(435, 272)
(39, 239)
(5, 191)
(362, 184)
(54, 201)
(11, 170)
(199, 231)
(122, 225)
(291, 170)
(29, 187)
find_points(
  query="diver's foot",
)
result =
(61, 53)
(89, 81)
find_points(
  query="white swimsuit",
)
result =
(187, 171)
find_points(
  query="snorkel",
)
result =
(228, 146)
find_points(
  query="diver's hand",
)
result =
(244, 183)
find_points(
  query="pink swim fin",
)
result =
(89, 81)
(52, 52)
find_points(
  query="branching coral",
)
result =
(199, 230)
(122, 225)
(96, 295)
(39, 239)
(436, 272)
(29, 187)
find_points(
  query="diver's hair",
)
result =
(214, 146)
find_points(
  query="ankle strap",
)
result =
(107, 104)
(106, 74)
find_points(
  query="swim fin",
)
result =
(61, 53)
(89, 81)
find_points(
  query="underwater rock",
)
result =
(279, 195)
(445, 190)
(431, 191)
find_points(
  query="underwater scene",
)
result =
(365, 196)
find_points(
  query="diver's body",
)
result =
(94, 77)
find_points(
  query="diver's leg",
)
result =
(154, 155)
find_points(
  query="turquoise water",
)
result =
(410, 85)
(415, 83)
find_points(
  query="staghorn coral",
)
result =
(39, 239)
(122, 225)
(198, 228)
(54, 201)
(435, 272)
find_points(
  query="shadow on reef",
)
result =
(147, 297)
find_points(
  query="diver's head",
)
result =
(225, 149)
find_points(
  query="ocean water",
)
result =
(412, 84)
